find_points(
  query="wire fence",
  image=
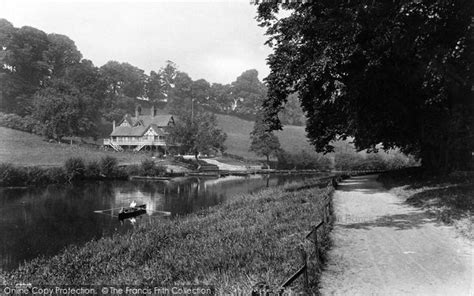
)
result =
(315, 237)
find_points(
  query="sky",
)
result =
(215, 40)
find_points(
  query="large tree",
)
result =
(248, 93)
(392, 72)
(23, 67)
(155, 87)
(197, 133)
(64, 111)
(181, 96)
(61, 54)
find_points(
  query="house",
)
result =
(146, 130)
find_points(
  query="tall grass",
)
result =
(249, 239)
(75, 168)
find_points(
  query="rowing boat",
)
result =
(132, 212)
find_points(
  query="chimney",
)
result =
(113, 125)
(152, 110)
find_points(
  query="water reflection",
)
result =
(42, 221)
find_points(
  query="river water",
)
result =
(42, 221)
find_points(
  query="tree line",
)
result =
(45, 76)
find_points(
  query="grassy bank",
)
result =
(25, 149)
(76, 169)
(249, 239)
(450, 198)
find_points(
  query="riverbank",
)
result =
(248, 239)
(450, 199)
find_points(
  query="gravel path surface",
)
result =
(381, 246)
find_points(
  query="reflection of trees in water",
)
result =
(45, 220)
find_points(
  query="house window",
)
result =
(161, 138)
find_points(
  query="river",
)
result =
(42, 221)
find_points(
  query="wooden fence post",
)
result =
(303, 258)
(316, 249)
(328, 214)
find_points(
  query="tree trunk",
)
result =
(268, 161)
(445, 158)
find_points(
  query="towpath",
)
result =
(382, 246)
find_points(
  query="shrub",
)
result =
(149, 168)
(12, 176)
(189, 163)
(37, 176)
(373, 161)
(160, 170)
(134, 170)
(26, 124)
(56, 175)
(109, 166)
(92, 170)
(75, 168)
(302, 161)
(348, 161)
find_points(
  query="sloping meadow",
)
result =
(249, 239)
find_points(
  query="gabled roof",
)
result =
(157, 129)
(135, 130)
(127, 118)
(158, 120)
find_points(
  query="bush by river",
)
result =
(75, 169)
(248, 239)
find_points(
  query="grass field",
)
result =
(292, 138)
(25, 149)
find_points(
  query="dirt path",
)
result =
(382, 246)
(229, 167)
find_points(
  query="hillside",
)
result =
(23, 148)
(27, 149)
(292, 138)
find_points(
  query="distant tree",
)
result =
(23, 66)
(200, 90)
(134, 80)
(155, 87)
(112, 74)
(124, 83)
(198, 133)
(124, 79)
(263, 141)
(219, 98)
(292, 113)
(88, 80)
(61, 54)
(168, 73)
(181, 96)
(248, 93)
(63, 111)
